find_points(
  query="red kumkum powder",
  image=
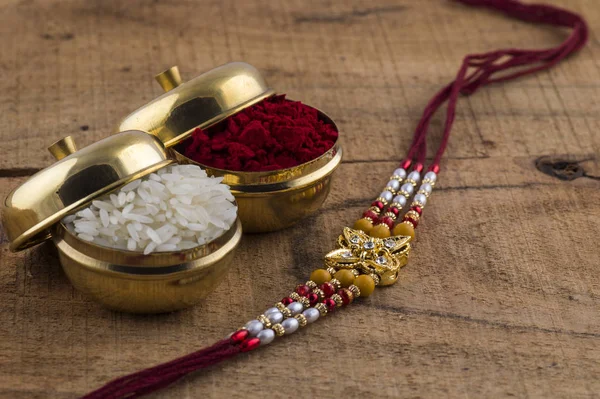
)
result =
(273, 134)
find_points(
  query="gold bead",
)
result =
(375, 209)
(365, 284)
(279, 330)
(321, 308)
(404, 229)
(311, 284)
(382, 200)
(413, 214)
(336, 283)
(319, 292)
(264, 320)
(355, 272)
(375, 278)
(354, 290)
(417, 203)
(338, 300)
(295, 296)
(280, 306)
(345, 277)
(301, 319)
(363, 224)
(286, 312)
(331, 270)
(304, 301)
(380, 231)
(411, 181)
(390, 215)
(320, 276)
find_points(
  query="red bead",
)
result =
(406, 164)
(435, 168)
(302, 290)
(328, 289)
(370, 214)
(239, 336)
(418, 167)
(389, 221)
(417, 209)
(394, 210)
(249, 344)
(287, 300)
(413, 221)
(313, 298)
(378, 204)
(347, 296)
(330, 303)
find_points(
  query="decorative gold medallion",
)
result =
(381, 256)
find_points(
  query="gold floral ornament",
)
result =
(381, 256)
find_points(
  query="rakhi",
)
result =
(372, 253)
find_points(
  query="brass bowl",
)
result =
(154, 283)
(274, 200)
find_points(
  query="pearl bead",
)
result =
(407, 188)
(400, 199)
(254, 327)
(270, 310)
(414, 175)
(426, 187)
(275, 317)
(421, 198)
(386, 195)
(290, 325)
(431, 176)
(311, 315)
(266, 336)
(401, 173)
(295, 308)
(394, 184)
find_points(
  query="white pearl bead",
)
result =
(431, 176)
(295, 308)
(394, 184)
(270, 310)
(414, 175)
(426, 187)
(275, 317)
(407, 188)
(254, 327)
(266, 336)
(401, 173)
(386, 195)
(311, 315)
(290, 325)
(400, 199)
(421, 198)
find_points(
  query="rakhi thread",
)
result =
(329, 289)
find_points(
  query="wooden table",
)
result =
(501, 297)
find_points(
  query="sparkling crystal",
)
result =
(390, 243)
(347, 255)
(369, 245)
(355, 239)
(381, 260)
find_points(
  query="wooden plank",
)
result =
(501, 295)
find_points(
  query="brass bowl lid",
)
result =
(75, 180)
(200, 102)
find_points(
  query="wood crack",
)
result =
(347, 16)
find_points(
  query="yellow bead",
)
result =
(345, 277)
(365, 284)
(404, 229)
(364, 225)
(380, 231)
(320, 276)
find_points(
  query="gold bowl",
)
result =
(268, 201)
(154, 283)
(274, 200)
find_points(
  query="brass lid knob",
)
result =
(169, 79)
(62, 148)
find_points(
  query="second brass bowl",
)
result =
(274, 200)
(154, 283)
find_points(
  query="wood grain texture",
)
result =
(502, 294)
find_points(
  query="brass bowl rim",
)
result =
(32, 236)
(155, 264)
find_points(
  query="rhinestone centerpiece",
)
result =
(369, 245)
